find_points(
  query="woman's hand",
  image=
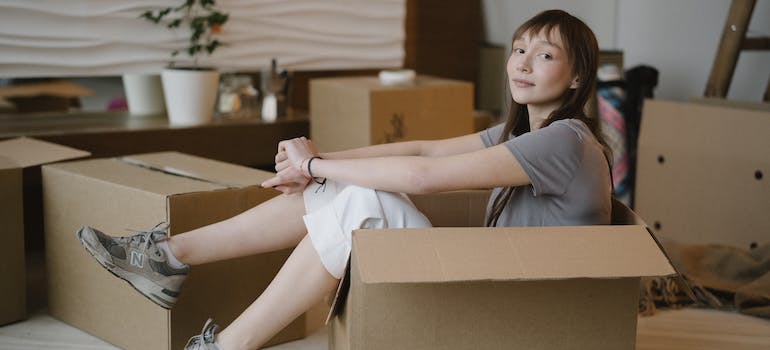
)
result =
(290, 175)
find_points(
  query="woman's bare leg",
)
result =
(301, 283)
(273, 225)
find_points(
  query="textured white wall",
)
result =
(106, 37)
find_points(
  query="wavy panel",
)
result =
(106, 37)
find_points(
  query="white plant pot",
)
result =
(144, 94)
(190, 95)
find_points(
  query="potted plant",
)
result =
(190, 90)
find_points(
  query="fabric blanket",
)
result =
(716, 276)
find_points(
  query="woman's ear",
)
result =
(575, 83)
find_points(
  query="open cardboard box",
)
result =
(15, 156)
(139, 192)
(494, 288)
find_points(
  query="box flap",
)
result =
(679, 190)
(453, 209)
(115, 171)
(520, 253)
(203, 169)
(25, 152)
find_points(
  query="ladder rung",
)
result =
(755, 44)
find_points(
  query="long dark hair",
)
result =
(583, 53)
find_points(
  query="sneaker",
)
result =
(205, 340)
(139, 261)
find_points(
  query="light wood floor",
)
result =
(686, 329)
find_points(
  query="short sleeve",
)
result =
(492, 135)
(550, 156)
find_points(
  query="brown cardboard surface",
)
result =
(113, 195)
(494, 288)
(359, 111)
(552, 314)
(703, 172)
(467, 208)
(16, 154)
(204, 169)
(501, 254)
(25, 152)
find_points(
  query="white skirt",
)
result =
(336, 209)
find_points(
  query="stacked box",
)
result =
(16, 155)
(138, 192)
(354, 112)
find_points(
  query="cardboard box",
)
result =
(359, 111)
(15, 155)
(139, 192)
(495, 288)
(703, 171)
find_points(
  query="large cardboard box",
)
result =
(138, 192)
(360, 111)
(16, 155)
(703, 172)
(495, 288)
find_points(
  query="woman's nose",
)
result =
(523, 65)
(520, 64)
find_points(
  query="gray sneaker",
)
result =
(139, 261)
(205, 340)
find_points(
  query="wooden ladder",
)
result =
(730, 45)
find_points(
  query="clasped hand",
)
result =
(292, 154)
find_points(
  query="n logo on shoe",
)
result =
(136, 259)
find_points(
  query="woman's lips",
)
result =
(522, 83)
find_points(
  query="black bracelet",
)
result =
(315, 179)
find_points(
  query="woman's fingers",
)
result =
(286, 177)
(280, 157)
(282, 165)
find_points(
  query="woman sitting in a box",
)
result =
(546, 163)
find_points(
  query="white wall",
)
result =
(679, 38)
(502, 17)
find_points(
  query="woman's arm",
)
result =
(484, 168)
(455, 145)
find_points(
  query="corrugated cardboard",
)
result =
(15, 155)
(359, 111)
(138, 192)
(495, 288)
(703, 173)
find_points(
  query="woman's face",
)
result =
(539, 71)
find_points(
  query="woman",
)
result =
(546, 163)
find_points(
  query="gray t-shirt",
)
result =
(569, 174)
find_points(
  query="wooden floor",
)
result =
(687, 329)
(702, 329)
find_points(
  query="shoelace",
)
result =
(146, 236)
(206, 336)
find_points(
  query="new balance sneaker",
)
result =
(205, 340)
(138, 260)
